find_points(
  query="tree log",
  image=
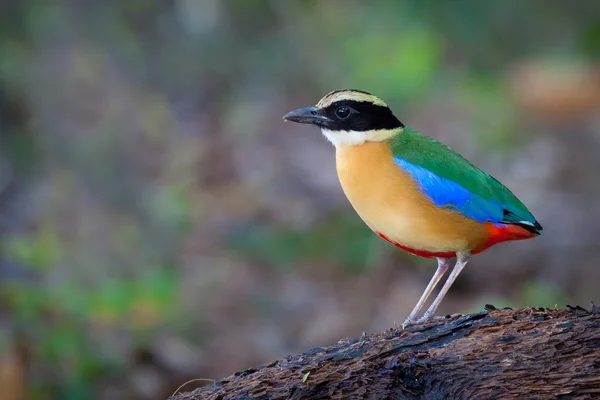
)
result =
(496, 354)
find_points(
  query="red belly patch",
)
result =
(420, 253)
(496, 234)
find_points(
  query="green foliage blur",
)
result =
(160, 223)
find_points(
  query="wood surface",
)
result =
(495, 354)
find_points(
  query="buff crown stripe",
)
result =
(349, 95)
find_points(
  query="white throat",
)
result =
(354, 138)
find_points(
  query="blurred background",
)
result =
(160, 223)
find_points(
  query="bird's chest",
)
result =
(391, 203)
(384, 196)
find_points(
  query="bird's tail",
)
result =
(507, 232)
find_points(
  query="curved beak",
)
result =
(307, 115)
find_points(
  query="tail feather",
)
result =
(504, 233)
(534, 227)
(510, 218)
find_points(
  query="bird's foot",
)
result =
(426, 317)
(408, 322)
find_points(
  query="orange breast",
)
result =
(391, 203)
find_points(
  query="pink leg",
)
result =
(443, 265)
(462, 259)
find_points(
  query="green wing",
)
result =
(452, 181)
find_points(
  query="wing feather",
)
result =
(451, 181)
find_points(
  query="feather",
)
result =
(451, 181)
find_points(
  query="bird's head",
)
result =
(350, 117)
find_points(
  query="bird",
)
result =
(414, 191)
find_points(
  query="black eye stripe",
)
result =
(343, 112)
(366, 116)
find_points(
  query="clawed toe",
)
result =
(408, 322)
(422, 319)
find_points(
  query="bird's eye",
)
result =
(342, 112)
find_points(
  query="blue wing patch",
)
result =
(446, 193)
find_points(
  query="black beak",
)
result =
(306, 115)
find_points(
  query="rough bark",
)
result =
(495, 354)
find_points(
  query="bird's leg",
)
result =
(443, 265)
(461, 260)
